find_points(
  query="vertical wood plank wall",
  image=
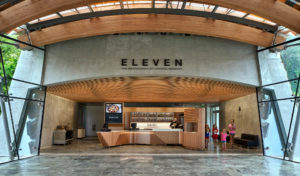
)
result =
(194, 139)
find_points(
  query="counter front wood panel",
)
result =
(115, 138)
(193, 140)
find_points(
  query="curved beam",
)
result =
(48, 23)
(151, 23)
(26, 11)
(272, 10)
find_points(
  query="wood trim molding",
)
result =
(151, 23)
(26, 11)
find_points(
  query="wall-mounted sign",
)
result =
(113, 113)
(151, 64)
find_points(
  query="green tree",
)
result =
(291, 59)
(10, 55)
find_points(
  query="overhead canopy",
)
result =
(151, 89)
(263, 15)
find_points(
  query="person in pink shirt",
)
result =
(232, 128)
(223, 138)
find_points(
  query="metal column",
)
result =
(5, 122)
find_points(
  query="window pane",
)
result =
(290, 56)
(26, 91)
(275, 121)
(294, 140)
(282, 90)
(298, 94)
(28, 126)
(6, 134)
(280, 66)
(30, 66)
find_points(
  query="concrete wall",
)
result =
(246, 120)
(101, 56)
(58, 111)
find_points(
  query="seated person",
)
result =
(105, 127)
(133, 126)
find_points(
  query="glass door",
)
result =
(215, 117)
(212, 116)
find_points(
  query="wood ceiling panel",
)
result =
(26, 11)
(150, 89)
(151, 23)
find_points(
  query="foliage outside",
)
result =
(11, 56)
(291, 60)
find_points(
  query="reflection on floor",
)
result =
(92, 145)
(4, 159)
(150, 166)
(88, 157)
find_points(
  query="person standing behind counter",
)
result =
(174, 123)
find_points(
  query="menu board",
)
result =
(113, 113)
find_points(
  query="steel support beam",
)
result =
(279, 44)
(2, 2)
(90, 9)
(7, 43)
(295, 132)
(57, 13)
(153, 3)
(289, 145)
(183, 4)
(24, 43)
(77, 10)
(45, 24)
(121, 4)
(215, 9)
(6, 126)
(167, 4)
(247, 14)
(3, 110)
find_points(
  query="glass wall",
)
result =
(278, 101)
(21, 102)
(212, 115)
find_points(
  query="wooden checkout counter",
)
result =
(192, 137)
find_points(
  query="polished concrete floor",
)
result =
(92, 146)
(148, 165)
(92, 159)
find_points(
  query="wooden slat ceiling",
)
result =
(150, 89)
